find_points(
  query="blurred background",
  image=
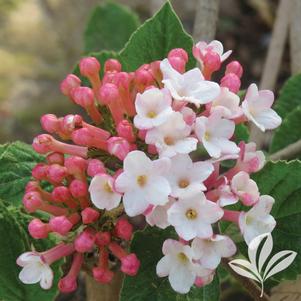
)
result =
(41, 40)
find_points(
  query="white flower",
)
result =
(192, 216)
(257, 220)
(172, 137)
(187, 177)
(201, 48)
(226, 196)
(257, 108)
(214, 132)
(153, 107)
(158, 215)
(210, 251)
(102, 192)
(190, 86)
(227, 103)
(250, 160)
(142, 182)
(35, 270)
(245, 188)
(178, 265)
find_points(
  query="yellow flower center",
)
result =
(191, 214)
(183, 183)
(182, 257)
(249, 220)
(107, 187)
(141, 180)
(207, 136)
(151, 114)
(169, 141)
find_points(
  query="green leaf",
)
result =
(146, 285)
(281, 180)
(290, 96)
(109, 27)
(241, 133)
(15, 241)
(155, 38)
(16, 161)
(289, 131)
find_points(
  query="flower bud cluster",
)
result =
(155, 147)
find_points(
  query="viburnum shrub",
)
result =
(155, 146)
(153, 175)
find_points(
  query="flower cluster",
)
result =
(156, 148)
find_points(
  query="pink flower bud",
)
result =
(42, 143)
(212, 61)
(102, 275)
(32, 201)
(78, 188)
(50, 123)
(234, 67)
(70, 123)
(102, 238)
(188, 115)
(125, 130)
(130, 264)
(37, 229)
(60, 224)
(156, 71)
(95, 167)
(32, 186)
(151, 149)
(45, 143)
(118, 147)
(67, 284)
(112, 65)
(177, 63)
(55, 158)
(89, 66)
(231, 81)
(39, 172)
(83, 96)
(69, 83)
(61, 194)
(56, 173)
(84, 242)
(142, 134)
(178, 52)
(76, 166)
(89, 215)
(123, 229)
(108, 93)
(84, 137)
(143, 78)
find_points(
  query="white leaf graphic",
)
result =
(265, 251)
(245, 269)
(252, 270)
(271, 269)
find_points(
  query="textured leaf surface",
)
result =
(14, 241)
(281, 180)
(146, 285)
(290, 96)
(16, 161)
(289, 131)
(155, 38)
(109, 27)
